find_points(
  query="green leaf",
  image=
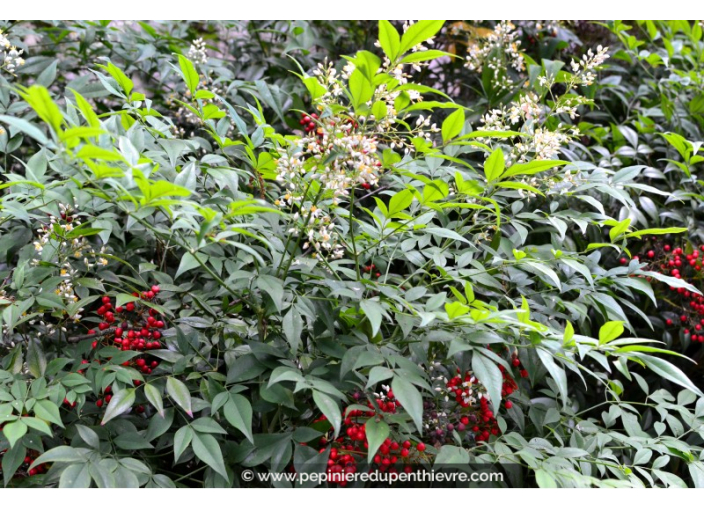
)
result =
(120, 77)
(610, 331)
(238, 412)
(86, 110)
(361, 89)
(557, 372)
(26, 128)
(75, 476)
(494, 165)
(373, 310)
(40, 100)
(11, 461)
(400, 201)
(449, 454)
(182, 439)
(274, 287)
(619, 228)
(14, 431)
(121, 402)
(410, 398)
(452, 125)
(423, 56)
(208, 450)
(545, 479)
(190, 75)
(670, 372)
(389, 39)
(329, 408)
(37, 424)
(62, 454)
(154, 397)
(47, 410)
(656, 232)
(489, 375)
(569, 333)
(377, 432)
(533, 167)
(179, 392)
(419, 32)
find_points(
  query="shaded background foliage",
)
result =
(493, 248)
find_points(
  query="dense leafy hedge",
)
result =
(327, 246)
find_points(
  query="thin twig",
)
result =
(90, 336)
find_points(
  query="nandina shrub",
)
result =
(209, 266)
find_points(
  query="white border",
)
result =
(319, 9)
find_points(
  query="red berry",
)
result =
(651, 254)
(99, 402)
(420, 447)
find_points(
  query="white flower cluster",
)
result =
(10, 55)
(197, 53)
(529, 114)
(498, 51)
(56, 245)
(339, 153)
(585, 70)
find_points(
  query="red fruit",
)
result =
(119, 309)
(683, 318)
(516, 362)
(129, 307)
(406, 444)
(667, 247)
(106, 300)
(651, 254)
(108, 398)
(155, 289)
(118, 332)
(623, 261)
(509, 404)
(159, 324)
(103, 326)
(420, 447)
(99, 402)
(668, 322)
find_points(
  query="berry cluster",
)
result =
(23, 470)
(309, 125)
(137, 326)
(372, 270)
(681, 308)
(352, 446)
(463, 409)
